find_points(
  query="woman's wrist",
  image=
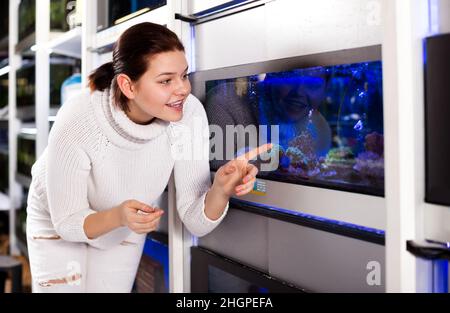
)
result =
(215, 202)
(100, 223)
(116, 217)
(219, 192)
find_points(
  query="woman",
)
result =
(110, 155)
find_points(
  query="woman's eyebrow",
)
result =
(172, 73)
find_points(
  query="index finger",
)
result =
(255, 152)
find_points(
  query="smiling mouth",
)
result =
(295, 104)
(176, 105)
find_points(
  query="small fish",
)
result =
(358, 126)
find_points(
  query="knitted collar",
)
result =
(118, 126)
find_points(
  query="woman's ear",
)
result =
(126, 86)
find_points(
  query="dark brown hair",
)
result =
(131, 56)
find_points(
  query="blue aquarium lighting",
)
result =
(330, 122)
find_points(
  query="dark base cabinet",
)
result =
(214, 273)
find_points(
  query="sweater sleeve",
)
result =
(192, 172)
(68, 169)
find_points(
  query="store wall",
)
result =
(311, 259)
(286, 28)
(443, 18)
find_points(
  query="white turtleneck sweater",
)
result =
(97, 158)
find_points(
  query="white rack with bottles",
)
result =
(93, 48)
(32, 122)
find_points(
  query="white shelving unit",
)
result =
(5, 203)
(40, 45)
(67, 44)
(15, 191)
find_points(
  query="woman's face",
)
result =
(162, 91)
(297, 97)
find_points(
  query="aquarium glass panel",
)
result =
(60, 69)
(26, 154)
(26, 85)
(58, 15)
(220, 281)
(4, 172)
(111, 13)
(59, 72)
(27, 18)
(3, 92)
(4, 19)
(329, 123)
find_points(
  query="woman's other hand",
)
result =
(138, 216)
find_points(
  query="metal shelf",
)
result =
(221, 11)
(107, 37)
(26, 113)
(53, 112)
(5, 203)
(429, 249)
(4, 114)
(4, 68)
(68, 43)
(26, 46)
(23, 180)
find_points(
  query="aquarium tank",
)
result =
(26, 153)
(329, 123)
(4, 19)
(26, 84)
(3, 92)
(58, 15)
(4, 154)
(27, 17)
(4, 172)
(111, 13)
(60, 69)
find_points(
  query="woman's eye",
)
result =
(186, 76)
(165, 82)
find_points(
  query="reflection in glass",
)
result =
(330, 122)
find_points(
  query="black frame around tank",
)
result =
(345, 56)
(202, 258)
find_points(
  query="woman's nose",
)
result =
(183, 88)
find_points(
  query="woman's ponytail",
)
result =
(102, 77)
